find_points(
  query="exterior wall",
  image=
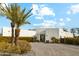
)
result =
(63, 34)
(6, 32)
(52, 33)
(49, 33)
(27, 33)
(23, 33)
(38, 32)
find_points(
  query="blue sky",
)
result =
(49, 15)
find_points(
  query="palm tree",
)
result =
(21, 20)
(10, 11)
(73, 31)
(17, 16)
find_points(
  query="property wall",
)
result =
(6, 31)
(27, 33)
(23, 33)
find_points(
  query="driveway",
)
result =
(49, 49)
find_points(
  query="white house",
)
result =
(42, 34)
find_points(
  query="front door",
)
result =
(42, 37)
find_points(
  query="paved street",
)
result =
(48, 49)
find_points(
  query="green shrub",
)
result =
(29, 39)
(5, 39)
(74, 41)
(47, 41)
(35, 39)
(68, 40)
(22, 47)
(54, 40)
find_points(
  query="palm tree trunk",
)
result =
(12, 34)
(74, 35)
(17, 32)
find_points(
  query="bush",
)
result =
(47, 41)
(61, 40)
(54, 40)
(68, 40)
(74, 41)
(29, 39)
(22, 47)
(5, 39)
(35, 39)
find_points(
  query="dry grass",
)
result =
(6, 47)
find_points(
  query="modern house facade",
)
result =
(42, 34)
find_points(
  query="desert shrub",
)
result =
(68, 40)
(22, 47)
(74, 41)
(35, 39)
(29, 39)
(5, 39)
(54, 40)
(61, 40)
(8, 39)
(47, 41)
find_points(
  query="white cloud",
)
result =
(68, 19)
(61, 19)
(35, 6)
(39, 17)
(73, 9)
(37, 24)
(35, 9)
(46, 11)
(68, 12)
(42, 5)
(52, 23)
(62, 24)
(41, 10)
(47, 24)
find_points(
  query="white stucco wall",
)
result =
(23, 33)
(6, 31)
(27, 33)
(52, 33)
(39, 31)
